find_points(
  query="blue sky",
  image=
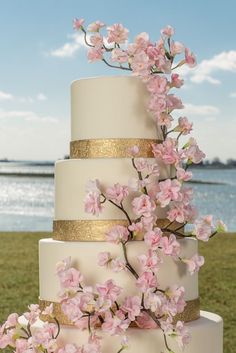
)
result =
(39, 59)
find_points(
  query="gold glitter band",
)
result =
(94, 230)
(191, 312)
(111, 148)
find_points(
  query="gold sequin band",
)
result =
(191, 312)
(111, 148)
(94, 230)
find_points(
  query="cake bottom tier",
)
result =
(206, 337)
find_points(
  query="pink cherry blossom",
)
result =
(109, 290)
(115, 325)
(48, 310)
(221, 226)
(117, 33)
(184, 126)
(173, 102)
(117, 193)
(22, 346)
(117, 234)
(69, 348)
(168, 31)
(134, 150)
(150, 262)
(169, 191)
(70, 278)
(140, 44)
(176, 212)
(119, 55)
(157, 104)
(63, 265)
(183, 335)
(190, 58)
(132, 306)
(176, 81)
(153, 237)
(95, 26)
(118, 265)
(95, 54)
(170, 246)
(78, 23)
(92, 203)
(140, 64)
(146, 281)
(104, 258)
(97, 40)
(203, 228)
(33, 314)
(166, 151)
(176, 48)
(157, 84)
(183, 175)
(143, 206)
(144, 321)
(176, 295)
(136, 227)
(193, 152)
(152, 301)
(194, 263)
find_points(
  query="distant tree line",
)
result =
(216, 163)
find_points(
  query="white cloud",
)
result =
(201, 110)
(27, 116)
(5, 96)
(232, 95)
(225, 61)
(69, 48)
(41, 97)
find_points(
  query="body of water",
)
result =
(27, 203)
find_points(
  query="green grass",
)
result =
(217, 280)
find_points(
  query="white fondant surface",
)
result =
(84, 257)
(72, 176)
(206, 337)
(110, 107)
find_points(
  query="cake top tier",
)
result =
(110, 107)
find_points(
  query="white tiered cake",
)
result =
(108, 116)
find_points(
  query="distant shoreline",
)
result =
(51, 175)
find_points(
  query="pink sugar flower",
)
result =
(152, 301)
(140, 64)
(63, 265)
(132, 306)
(190, 58)
(69, 348)
(115, 325)
(140, 44)
(78, 23)
(176, 212)
(203, 228)
(193, 152)
(97, 40)
(70, 278)
(136, 227)
(184, 126)
(221, 226)
(119, 55)
(173, 102)
(118, 265)
(152, 238)
(157, 84)
(117, 33)
(183, 335)
(117, 193)
(144, 321)
(95, 26)
(95, 54)
(183, 175)
(33, 314)
(166, 151)
(146, 281)
(22, 346)
(92, 203)
(143, 206)
(176, 48)
(194, 263)
(117, 234)
(12, 319)
(176, 81)
(134, 150)
(164, 119)
(150, 262)
(109, 290)
(104, 258)
(169, 191)
(168, 31)
(157, 103)
(48, 310)
(176, 295)
(170, 246)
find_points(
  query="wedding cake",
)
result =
(108, 117)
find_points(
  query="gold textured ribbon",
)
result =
(95, 230)
(111, 148)
(191, 312)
